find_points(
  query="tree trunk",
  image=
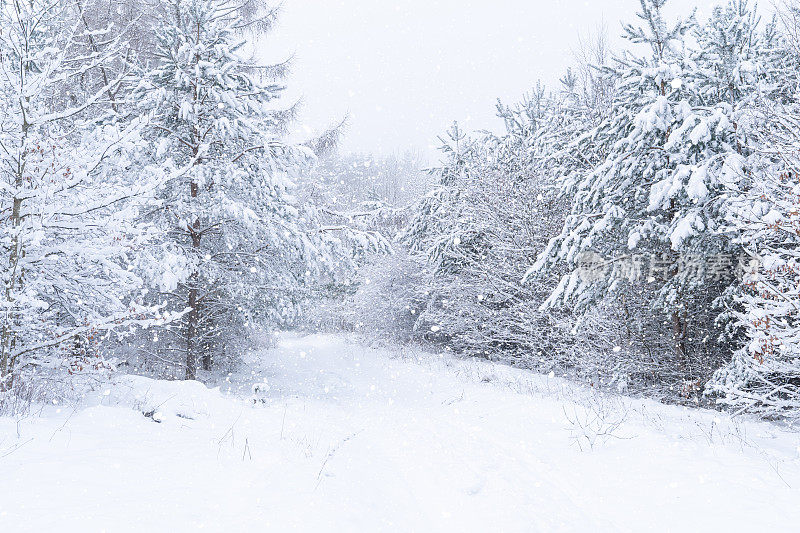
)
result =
(193, 318)
(208, 360)
(7, 340)
(191, 329)
(193, 345)
(5, 359)
(8, 337)
(679, 337)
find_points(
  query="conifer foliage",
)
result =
(671, 153)
(233, 243)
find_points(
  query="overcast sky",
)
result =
(404, 70)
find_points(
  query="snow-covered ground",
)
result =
(347, 438)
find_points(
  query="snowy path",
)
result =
(354, 439)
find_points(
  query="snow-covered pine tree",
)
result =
(763, 376)
(233, 233)
(69, 212)
(240, 248)
(732, 54)
(671, 154)
(443, 229)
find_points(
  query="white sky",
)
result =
(404, 70)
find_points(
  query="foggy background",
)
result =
(404, 70)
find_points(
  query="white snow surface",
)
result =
(349, 438)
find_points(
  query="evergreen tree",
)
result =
(240, 249)
(671, 155)
(764, 375)
(235, 249)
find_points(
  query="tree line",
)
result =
(636, 227)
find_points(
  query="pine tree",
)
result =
(671, 153)
(234, 237)
(764, 375)
(241, 247)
